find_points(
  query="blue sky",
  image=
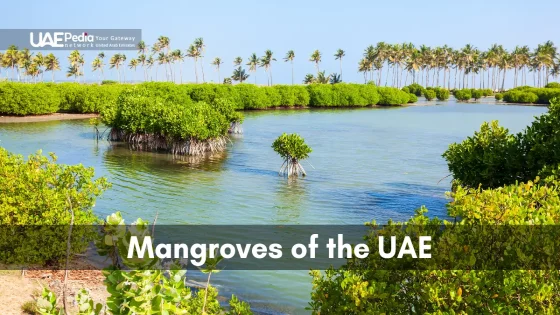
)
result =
(239, 28)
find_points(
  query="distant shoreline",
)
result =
(50, 117)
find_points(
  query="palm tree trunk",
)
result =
(195, 71)
(202, 68)
(340, 70)
(292, 74)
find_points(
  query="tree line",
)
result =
(395, 65)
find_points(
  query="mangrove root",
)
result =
(235, 127)
(155, 142)
(291, 167)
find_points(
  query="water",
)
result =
(366, 164)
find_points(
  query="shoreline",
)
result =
(48, 117)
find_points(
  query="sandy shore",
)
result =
(50, 117)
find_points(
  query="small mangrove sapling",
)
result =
(292, 148)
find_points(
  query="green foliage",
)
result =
(476, 94)
(415, 88)
(487, 158)
(442, 94)
(292, 95)
(487, 92)
(463, 95)
(531, 95)
(392, 96)
(46, 304)
(430, 94)
(238, 307)
(253, 97)
(553, 85)
(412, 98)
(342, 94)
(108, 82)
(499, 96)
(172, 115)
(28, 99)
(209, 92)
(493, 157)
(291, 146)
(86, 306)
(375, 286)
(37, 192)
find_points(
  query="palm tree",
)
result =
(10, 59)
(149, 64)
(132, 65)
(266, 63)
(335, 78)
(115, 62)
(24, 60)
(76, 61)
(322, 78)
(290, 55)
(155, 51)
(73, 71)
(192, 52)
(178, 56)
(200, 47)
(338, 56)
(142, 47)
(309, 78)
(52, 64)
(216, 63)
(164, 43)
(253, 64)
(97, 64)
(142, 60)
(237, 61)
(39, 61)
(316, 58)
(239, 75)
(364, 66)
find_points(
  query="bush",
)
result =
(553, 85)
(28, 99)
(292, 95)
(499, 96)
(515, 96)
(252, 96)
(463, 95)
(35, 199)
(442, 94)
(430, 94)
(108, 82)
(392, 96)
(487, 92)
(412, 98)
(415, 89)
(144, 110)
(342, 94)
(493, 157)
(209, 92)
(476, 94)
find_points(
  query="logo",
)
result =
(58, 39)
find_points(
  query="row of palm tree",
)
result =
(398, 64)
(425, 65)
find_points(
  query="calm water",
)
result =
(366, 164)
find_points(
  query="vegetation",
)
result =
(292, 149)
(442, 94)
(527, 94)
(430, 94)
(493, 157)
(476, 94)
(463, 95)
(163, 117)
(36, 192)
(497, 184)
(395, 64)
(499, 96)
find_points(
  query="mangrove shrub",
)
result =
(442, 94)
(28, 99)
(392, 96)
(40, 192)
(476, 94)
(152, 121)
(292, 149)
(412, 98)
(430, 94)
(493, 157)
(463, 95)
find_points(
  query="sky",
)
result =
(239, 28)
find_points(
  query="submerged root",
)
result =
(155, 142)
(291, 167)
(235, 127)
